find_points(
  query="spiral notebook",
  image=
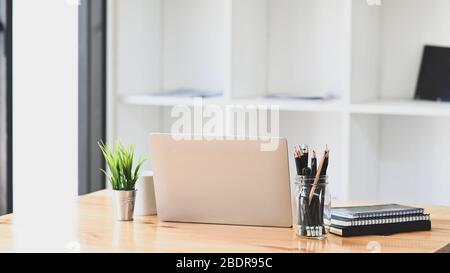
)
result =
(380, 221)
(377, 211)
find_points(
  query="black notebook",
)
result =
(364, 212)
(384, 229)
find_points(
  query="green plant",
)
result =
(119, 160)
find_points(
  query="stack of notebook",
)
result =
(378, 220)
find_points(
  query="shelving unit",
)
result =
(403, 108)
(368, 57)
(150, 100)
(283, 104)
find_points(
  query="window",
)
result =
(92, 94)
(5, 107)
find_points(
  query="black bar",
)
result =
(230, 262)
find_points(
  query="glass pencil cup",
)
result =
(312, 208)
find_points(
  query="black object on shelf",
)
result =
(434, 76)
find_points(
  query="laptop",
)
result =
(221, 181)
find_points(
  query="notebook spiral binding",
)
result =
(380, 221)
(389, 213)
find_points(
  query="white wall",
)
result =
(194, 43)
(161, 44)
(45, 83)
(138, 45)
(407, 26)
(414, 167)
(307, 47)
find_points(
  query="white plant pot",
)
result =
(145, 195)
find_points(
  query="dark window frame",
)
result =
(92, 95)
(9, 101)
(6, 195)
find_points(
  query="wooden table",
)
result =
(93, 229)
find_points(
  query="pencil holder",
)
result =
(312, 213)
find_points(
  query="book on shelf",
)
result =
(189, 93)
(288, 96)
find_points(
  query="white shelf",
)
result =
(284, 105)
(381, 107)
(296, 105)
(149, 100)
(403, 108)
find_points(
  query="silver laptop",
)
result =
(221, 181)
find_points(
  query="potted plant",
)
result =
(123, 174)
